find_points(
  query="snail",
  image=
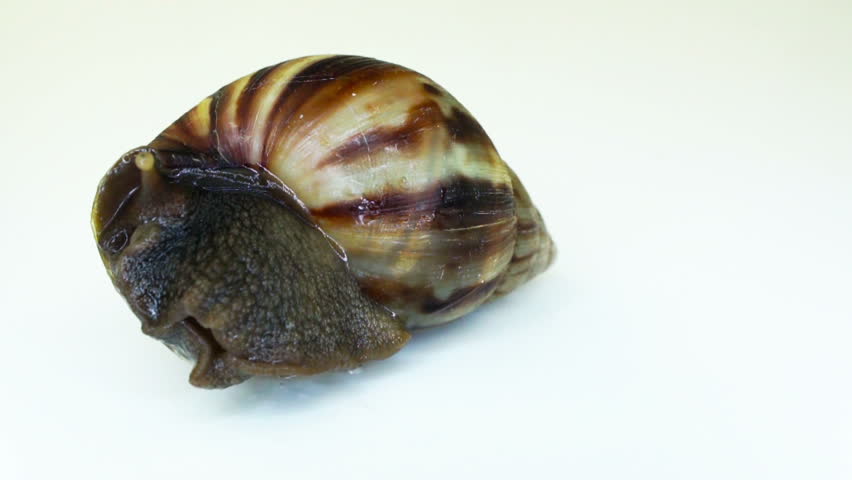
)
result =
(309, 216)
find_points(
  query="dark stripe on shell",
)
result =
(465, 295)
(527, 227)
(228, 145)
(524, 258)
(457, 202)
(423, 299)
(432, 89)
(247, 96)
(420, 119)
(179, 136)
(165, 141)
(465, 129)
(305, 85)
(214, 119)
(183, 133)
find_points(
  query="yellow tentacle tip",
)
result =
(144, 161)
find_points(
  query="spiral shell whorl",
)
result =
(391, 167)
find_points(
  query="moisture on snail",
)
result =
(308, 216)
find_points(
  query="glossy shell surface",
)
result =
(390, 166)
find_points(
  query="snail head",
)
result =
(217, 265)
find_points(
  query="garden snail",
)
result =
(306, 217)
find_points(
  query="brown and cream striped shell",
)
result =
(391, 167)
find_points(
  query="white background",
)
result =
(693, 161)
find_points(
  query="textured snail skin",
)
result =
(305, 217)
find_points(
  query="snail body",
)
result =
(306, 217)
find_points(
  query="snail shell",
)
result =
(380, 167)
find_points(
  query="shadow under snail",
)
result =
(308, 216)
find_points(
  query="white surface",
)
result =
(694, 164)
